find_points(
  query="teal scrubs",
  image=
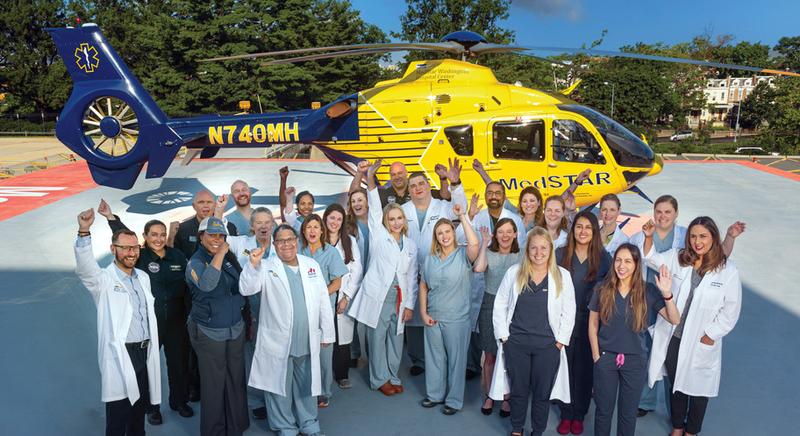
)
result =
(446, 342)
(332, 267)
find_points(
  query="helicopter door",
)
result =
(575, 148)
(516, 154)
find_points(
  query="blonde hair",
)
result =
(436, 247)
(392, 206)
(525, 273)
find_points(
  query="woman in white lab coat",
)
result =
(386, 298)
(347, 246)
(533, 318)
(611, 233)
(287, 356)
(709, 298)
(555, 220)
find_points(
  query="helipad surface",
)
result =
(51, 382)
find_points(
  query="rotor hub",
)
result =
(465, 38)
(110, 127)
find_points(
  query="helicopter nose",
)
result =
(658, 165)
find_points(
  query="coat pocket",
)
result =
(706, 356)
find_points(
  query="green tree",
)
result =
(759, 106)
(789, 49)
(783, 134)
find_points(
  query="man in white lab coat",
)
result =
(296, 320)
(422, 213)
(127, 333)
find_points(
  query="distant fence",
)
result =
(16, 168)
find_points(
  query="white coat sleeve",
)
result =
(325, 312)
(501, 303)
(251, 279)
(654, 259)
(89, 272)
(356, 270)
(638, 240)
(728, 314)
(566, 322)
(375, 218)
(290, 218)
(412, 276)
(457, 196)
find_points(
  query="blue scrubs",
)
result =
(446, 342)
(386, 346)
(333, 267)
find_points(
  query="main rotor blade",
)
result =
(486, 47)
(449, 47)
(337, 54)
(606, 53)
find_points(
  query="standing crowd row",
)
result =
(546, 303)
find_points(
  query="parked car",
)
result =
(755, 151)
(681, 135)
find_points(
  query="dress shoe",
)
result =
(471, 374)
(576, 427)
(398, 389)
(487, 410)
(387, 389)
(642, 412)
(505, 413)
(323, 402)
(194, 395)
(426, 403)
(416, 370)
(564, 426)
(154, 418)
(449, 411)
(183, 410)
(260, 413)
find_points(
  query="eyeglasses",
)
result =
(287, 241)
(128, 247)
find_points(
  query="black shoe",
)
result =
(487, 410)
(642, 412)
(183, 410)
(154, 418)
(449, 411)
(471, 374)
(504, 413)
(194, 395)
(416, 370)
(426, 403)
(260, 413)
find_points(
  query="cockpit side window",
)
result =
(519, 140)
(573, 143)
(460, 138)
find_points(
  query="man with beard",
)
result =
(240, 192)
(396, 191)
(130, 373)
(185, 240)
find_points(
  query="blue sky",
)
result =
(570, 23)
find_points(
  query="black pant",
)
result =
(579, 360)
(687, 411)
(531, 370)
(608, 377)
(173, 336)
(122, 418)
(341, 354)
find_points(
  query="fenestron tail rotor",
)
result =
(111, 126)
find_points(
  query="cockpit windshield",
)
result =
(628, 150)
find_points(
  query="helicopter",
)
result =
(437, 110)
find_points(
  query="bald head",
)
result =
(240, 192)
(399, 176)
(203, 204)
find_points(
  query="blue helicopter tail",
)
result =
(109, 119)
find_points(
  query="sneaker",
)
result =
(344, 384)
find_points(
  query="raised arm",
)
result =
(456, 188)
(360, 175)
(478, 167)
(664, 284)
(734, 231)
(113, 221)
(444, 184)
(206, 277)
(473, 243)
(482, 262)
(375, 211)
(251, 279)
(284, 174)
(288, 212)
(86, 266)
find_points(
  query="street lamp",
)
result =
(738, 111)
(612, 96)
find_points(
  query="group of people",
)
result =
(548, 304)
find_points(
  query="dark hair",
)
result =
(495, 182)
(303, 194)
(615, 199)
(117, 233)
(666, 199)
(147, 226)
(636, 298)
(311, 218)
(417, 174)
(595, 251)
(714, 259)
(344, 237)
(283, 227)
(495, 245)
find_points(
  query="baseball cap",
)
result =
(213, 225)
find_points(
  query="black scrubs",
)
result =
(622, 364)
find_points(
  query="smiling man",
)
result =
(240, 192)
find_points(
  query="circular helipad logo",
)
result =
(169, 197)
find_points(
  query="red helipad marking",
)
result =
(746, 163)
(27, 192)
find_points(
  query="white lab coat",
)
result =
(561, 316)
(618, 238)
(424, 238)
(273, 339)
(114, 314)
(241, 246)
(350, 284)
(714, 311)
(385, 261)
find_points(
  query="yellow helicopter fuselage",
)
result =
(448, 109)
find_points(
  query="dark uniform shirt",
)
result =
(618, 335)
(186, 238)
(583, 288)
(389, 195)
(530, 316)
